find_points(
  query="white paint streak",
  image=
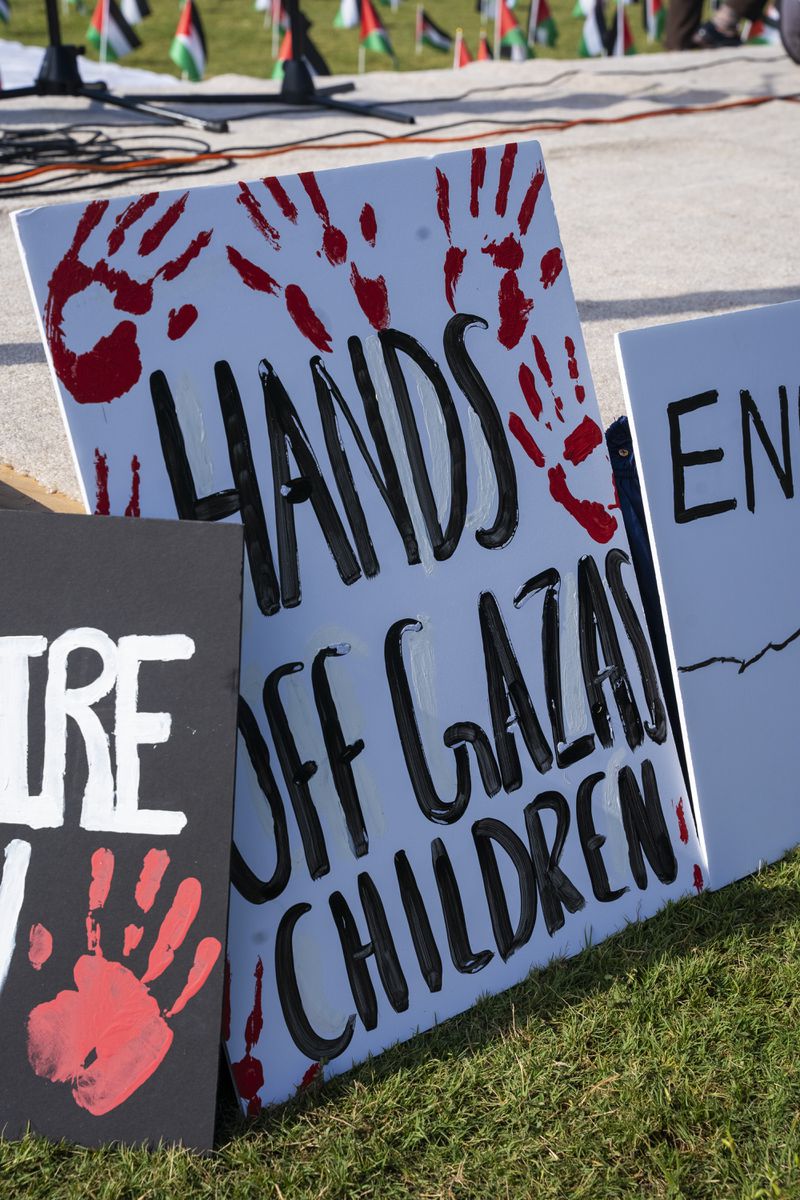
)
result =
(615, 851)
(576, 712)
(190, 416)
(12, 894)
(438, 443)
(421, 660)
(485, 484)
(394, 434)
(314, 982)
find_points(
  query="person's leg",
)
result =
(683, 18)
(790, 28)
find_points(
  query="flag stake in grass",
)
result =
(188, 50)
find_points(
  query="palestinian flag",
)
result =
(593, 37)
(511, 36)
(430, 34)
(120, 37)
(766, 31)
(5, 11)
(135, 11)
(311, 56)
(348, 15)
(541, 26)
(461, 54)
(279, 18)
(373, 34)
(655, 17)
(484, 49)
(623, 39)
(188, 49)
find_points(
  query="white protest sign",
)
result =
(714, 407)
(454, 760)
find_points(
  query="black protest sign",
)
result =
(119, 651)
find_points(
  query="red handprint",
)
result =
(370, 292)
(113, 365)
(107, 1037)
(506, 252)
(583, 438)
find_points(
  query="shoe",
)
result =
(708, 37)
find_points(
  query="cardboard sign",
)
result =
(118, 690)
(454, 761)
(714, 407)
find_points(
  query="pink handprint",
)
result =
(370, 292)
(113, 365)
(107, 1036)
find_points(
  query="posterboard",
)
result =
(454, 757)
(714, 409)
(119, 648)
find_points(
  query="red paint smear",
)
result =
(226, 1002)
(132, 509)
(527, 384)
(176, 266)
(251, 275)
(453, 266)
(514, 308)
(583, 441)
(131, 938)
(334, 242)
(259, 221)
(541, 361)
(369, 224)
(443, 200)
(311, 1074)
(174, 927)
(506, 171)
(517, 427)
(528, 206)
(698, 881)
(372, 296)
(306, 319)
(551, 266)
(128, 217)
(580, 393)
(154, 236)
(476, 178)
(205, 956)
(40, 946)
(102, 504)
(111, 1018)
(590, 515)
(180, 321)
(278, 193)
(248, 1072)
(559, 407)
(102, 874)
(249, 1076)
(572, 362)
(507, 255)
(255, 1021)
(154, 865)
(683, 829)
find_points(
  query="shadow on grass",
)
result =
(744, 911)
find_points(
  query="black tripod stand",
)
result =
(59, 76)
(297, 89)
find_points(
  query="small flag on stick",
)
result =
(623, 39)
(461, 54)
(431, 34)
(348, 15)
(593, 37)
(110, 27)
(484, 49)
(188, 49)
(508, 34)
(373, 34)
(541, 26)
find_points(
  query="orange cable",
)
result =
(421, 140)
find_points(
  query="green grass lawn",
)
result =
(238, 41)
(662, 1063)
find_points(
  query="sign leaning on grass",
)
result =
(714, 406)
(119, 647)
(454, 758)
